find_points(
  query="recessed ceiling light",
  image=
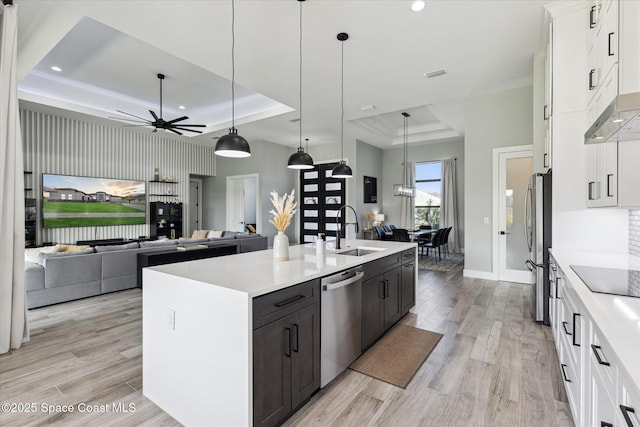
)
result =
(368, 107)
(417, 6)
(56, 68)
(435, 73)
(617, 121)
(598, 137)
(182, 107)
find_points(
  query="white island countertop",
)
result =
(197, 355)
(256, 273)
(617, 317)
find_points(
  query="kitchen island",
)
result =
(198, 324)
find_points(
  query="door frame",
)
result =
(198, 182)
(228, 198)
(523, 150)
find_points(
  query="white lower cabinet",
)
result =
(599, 392)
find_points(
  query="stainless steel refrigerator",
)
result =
(538, 231)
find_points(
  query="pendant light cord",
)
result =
(342, 103)
(300, 92)
(233, 64)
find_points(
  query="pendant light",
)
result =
(342, 170)
(300, 159)
(233, 145)
(405, 188)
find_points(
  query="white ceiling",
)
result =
(111, 51)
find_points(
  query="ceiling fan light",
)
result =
(232, 145)
(300, 160)
(341, 170)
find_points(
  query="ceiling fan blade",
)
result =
(131, 126)
(188, 130)
(174, 131)
(130, 120)
(178, 119)
(154, 115)
(192, 126)
(133, 115)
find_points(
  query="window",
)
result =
(428, 190)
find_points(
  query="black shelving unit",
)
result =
(163, 189)
(30, 214)
(165, 220)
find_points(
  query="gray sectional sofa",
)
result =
(66, 276)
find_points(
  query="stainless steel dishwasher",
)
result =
(341, 322)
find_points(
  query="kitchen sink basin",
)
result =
(361, 251)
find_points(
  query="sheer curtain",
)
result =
(406, 203)
(13, 309)
(449, 208)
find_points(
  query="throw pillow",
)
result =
(111, 248)
(214, 234)
(251, 228)
(71, 248)
(199, 234)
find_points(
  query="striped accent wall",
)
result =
(634, 232)
(60, 145)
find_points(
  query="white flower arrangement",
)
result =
(285, 209)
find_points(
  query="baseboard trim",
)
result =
(478, 274)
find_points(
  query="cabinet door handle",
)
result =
(295, 337)
(287, 342)
(546, 160)
(564, 326)
(289, 301)
(386, 288)
(590, 187)
(605, 424)
(609, 47)
(592, 17)
(609, 176)
(625, 413)
(544, 113)
(557, 280)
(564, 374)
(592, 73)
(575, 335)
(601, 361)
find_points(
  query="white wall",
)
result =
(392, 173)
(269, 161)
(500, 119)
(369, 160)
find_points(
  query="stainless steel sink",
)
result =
(360, 251)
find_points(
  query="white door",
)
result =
(515, 167)
(239, 211)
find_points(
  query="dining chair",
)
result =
(400, 235)
(445, 240)
(435, 243)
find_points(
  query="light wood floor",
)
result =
(493, 367)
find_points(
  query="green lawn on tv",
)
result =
(92, 210)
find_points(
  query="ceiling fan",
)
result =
(160, 123)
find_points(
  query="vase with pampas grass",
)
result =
(285, 209)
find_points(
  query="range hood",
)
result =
(620, 121)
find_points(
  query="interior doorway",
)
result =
(243, 207)
(195, 205)
(512, 168)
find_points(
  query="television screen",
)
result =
(80, 201)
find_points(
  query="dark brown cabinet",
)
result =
(381, 307)
(286, 352)
(408, 281)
